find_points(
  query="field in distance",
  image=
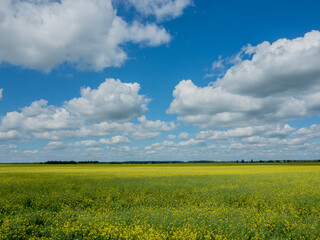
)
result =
(160, 201)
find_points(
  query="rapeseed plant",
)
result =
(183, 201)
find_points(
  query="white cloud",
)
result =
(150, 152)
(150, 34)
(212, 147)
(218, 64)
(311, 132)
(7, 151)
(255, 140)
(169, 150)
(162, 146)
(283, 68)
(149, 129)
(171, 136)
(192, 142)
(1, 90)
(114, 140)
(143, 135)
(279, 131)
(40, 117)
(112, 105)
(124, 149)
(89, 34)
(184, 135)
(112, 101)
(96, 149)
(161, 9)
(10, 135)
(281, 82)
(5, 147)
(85, 143)
(30, 151)
(219, 67)
(158, 125)
(137, 131)
(164, 143)
(210, 106)
(94, 130)
(216, 68)
(55, 145)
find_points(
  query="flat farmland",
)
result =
(160, 201)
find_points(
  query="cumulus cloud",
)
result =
(192, 142)
(149, 35)
(256, 142)
(164, 146)
(184, 150)
(281, 82)
(99, 112)
(85, 143)
(137, 131)
(160, 146)
(210, 106)
(5, 147)
(147, 129)
(159, 125)
(92, 130)
(184, 135)
(123, 149)
(112, 101)
(279, 131)
(10, 135)
(114, 140)
(89, 34)
(31, 151)
(174, 146)
(39, 117)
(171, 136)
(161, 9)
(285, 67)
(311, 132)
(6, 150)
(143, 135)
(293, 141)
(55, 145)
(1, 90)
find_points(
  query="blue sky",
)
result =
(159, 80)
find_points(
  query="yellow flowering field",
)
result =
(160, 201)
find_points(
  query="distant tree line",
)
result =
(70, 162)
(275, 161)
(177, 162)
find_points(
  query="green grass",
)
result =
(182, 201)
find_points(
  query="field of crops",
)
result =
(182, 201)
